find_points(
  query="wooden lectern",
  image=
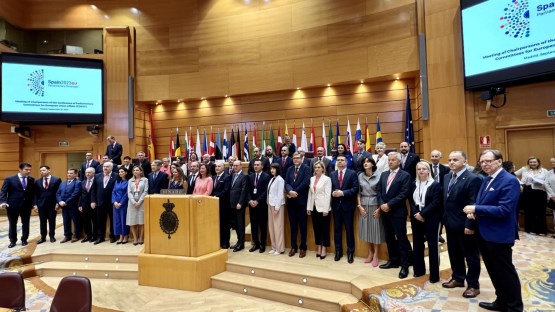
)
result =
(182, 247)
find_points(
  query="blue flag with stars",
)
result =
(409, 129)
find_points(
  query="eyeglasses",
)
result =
(487, 161)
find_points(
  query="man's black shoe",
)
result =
(40, 241)
(52, 239)
(24, 243)
(253, 248)
(98, 241)
(492, 306)
(11, 245)
(338, 256)
(350, 257)
(238, 247)
(404, 272)
(389, 265)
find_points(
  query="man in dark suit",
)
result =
(496, 215)
(128, 166)
(297, 182)
(238, 197)
(68, 200)
(460, 189)
(221, 190)
(357, 157)
(305, 161)
(17, 197)
(90, 224)
(157, 180)
(101, 201)
(230, 161)
(258, 156)
(193, 177)
(438, 173)
(89, 162)
(393, 189)
(143, 162)
(105, 159)
(408, 160)
(320, 157)
(344, 185)
(45, 203)
(258, 207)
(284, 161)
(114, 150)
(269, 153)
(210, 165)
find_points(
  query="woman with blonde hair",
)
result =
(318, 206)
(534, 196)
(137, 189)
(380, 158)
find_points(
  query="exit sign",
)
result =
(551, 113)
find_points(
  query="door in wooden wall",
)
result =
(57, 163)
(523, 143)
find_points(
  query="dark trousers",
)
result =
(498, 259)
(103, 212)
(259, 224)
(47, 216)
(343, 217)
(321, 226)
(535, 202)
(239, 224)
(70, 214)
(90, 222)
(459, 248)
(297, 221)
(421, 232)
(13, 216)
(225, 221)
(398, 245)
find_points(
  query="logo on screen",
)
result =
(516, 19)
(36, 82)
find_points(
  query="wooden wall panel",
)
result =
(256, 78)
(167, 61)
(167, 12)
(308, 14)
(213, 82)
(12, 10)
(152, 87)
(259, 24)
(393, 57)
(245, 52)
(376, 6)
(294, 45)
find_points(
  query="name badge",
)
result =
(254, 191)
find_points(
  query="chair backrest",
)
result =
(12, 294)
(73, 295)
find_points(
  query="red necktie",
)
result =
(45, 183)
(340, 178)
(283, 163)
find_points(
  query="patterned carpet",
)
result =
(534, 258)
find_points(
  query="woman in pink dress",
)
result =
(204, 183)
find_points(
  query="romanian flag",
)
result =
(177, 145)
(378, 130)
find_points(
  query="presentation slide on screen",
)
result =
(51, 89)
(501, 34)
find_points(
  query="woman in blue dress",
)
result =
(119, 202)
(342, 150)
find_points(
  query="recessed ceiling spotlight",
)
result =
(397, 78)
(226, 95)
(203, 98)
(361, 80)
(298, 88)
(94, 7)
(329, 84)
(134, 10)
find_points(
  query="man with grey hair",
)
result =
(101, 201)
(90, 224)
(230, 161)
(221, 190)
(393, 189)
(143, 162)
(209, 164)
(304, 160)
(157, 180)
(238, 197)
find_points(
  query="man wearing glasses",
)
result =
(495, 214)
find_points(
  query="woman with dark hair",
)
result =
(371, 229)
(177, 179)
(119, 202)
(426, 210)
(276, 214)
(136, 191)
(534, 196)
(342, 150)
(204, 183)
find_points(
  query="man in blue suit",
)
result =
(344, 185)
(258, 207)
(393, 189)
(360, 155)
(284, 161)
(297, 182)
(68, 200)
(114, 150)
(221, 190)
(17, 197)
(495, 213)
(45, 203)
(157, 180)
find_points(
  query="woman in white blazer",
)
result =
(319, 206)
(276, 214)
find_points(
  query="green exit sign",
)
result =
(551, 113)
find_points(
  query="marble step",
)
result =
(85, 257)
(89, 269)
(293, 294)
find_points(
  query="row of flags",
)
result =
(222, 148)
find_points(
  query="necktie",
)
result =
(88, 164)
(23, 182)
(234, 178)
(216, 182)
(88, 185)
(392, 175)
(436, 174)
(452, 182)
(340, 178)
(106, 180)
(283, 162)
(487, 182)
(45, 183)
(256, 180)
(155, 175)
(319, 158)
(296, 171)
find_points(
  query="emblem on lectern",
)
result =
(168, 219)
